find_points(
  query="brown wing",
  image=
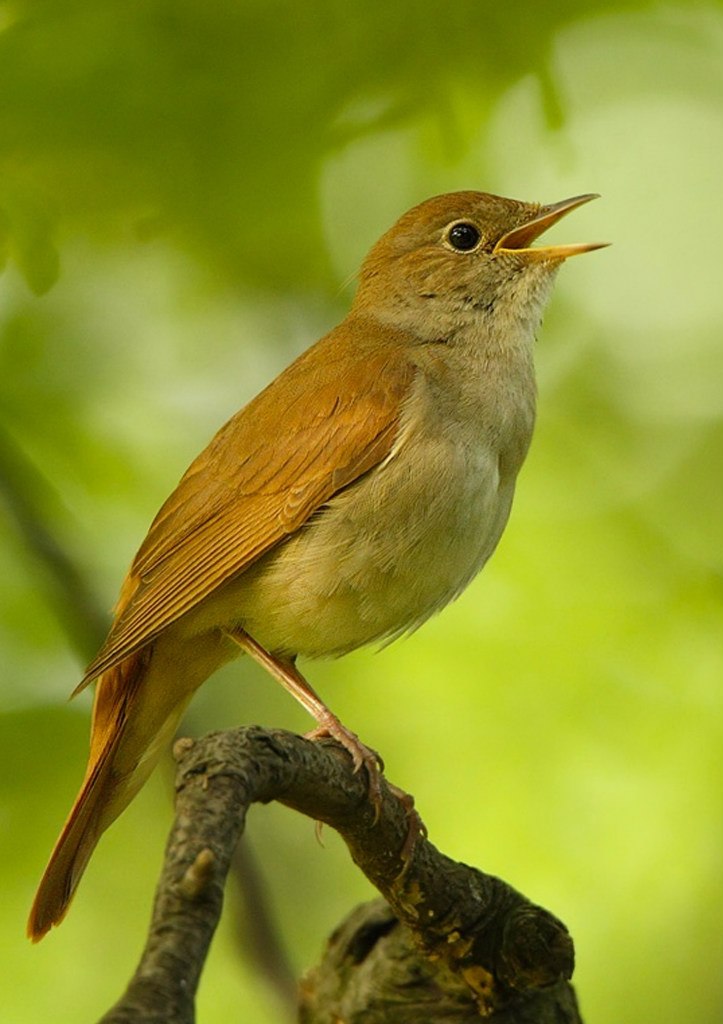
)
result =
(327, 419)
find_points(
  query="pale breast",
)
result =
(380, 559)
(386, 553)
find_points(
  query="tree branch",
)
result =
(469, 934)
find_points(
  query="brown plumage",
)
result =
(355, 495)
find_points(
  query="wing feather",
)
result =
(326, 420)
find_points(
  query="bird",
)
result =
(350, 500)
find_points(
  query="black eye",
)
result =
(463, 236)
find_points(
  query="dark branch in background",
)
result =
(468, 943)
(30, 499)
(254, 926)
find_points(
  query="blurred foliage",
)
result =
(185, 188)
(208, 124)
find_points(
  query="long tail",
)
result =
(130, 729)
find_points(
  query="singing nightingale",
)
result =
(355, 496)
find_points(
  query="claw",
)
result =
(361, 755)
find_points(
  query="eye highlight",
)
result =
(463, 236)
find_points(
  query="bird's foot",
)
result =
(362, 756)
(286, 672)
(416, 828)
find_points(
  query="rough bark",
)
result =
(450, 944)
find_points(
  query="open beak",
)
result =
(519, 239)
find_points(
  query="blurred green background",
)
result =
(186, 190)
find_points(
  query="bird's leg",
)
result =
(285, 671)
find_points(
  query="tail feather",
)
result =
(130, 729)
(72, 851)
